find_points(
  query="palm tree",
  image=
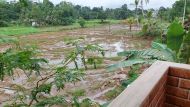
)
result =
(185, 5)
(136, 5)
(142, 4)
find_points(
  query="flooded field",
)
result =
(96, 82)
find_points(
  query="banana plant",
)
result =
(148, 56)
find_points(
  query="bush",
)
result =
(152, 28)
(3, 23)
(82, 22)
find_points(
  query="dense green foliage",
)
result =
(46, 13)
(174, 36)
(178, 40)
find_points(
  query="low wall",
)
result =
(164, 84)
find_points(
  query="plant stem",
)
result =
(48, 77)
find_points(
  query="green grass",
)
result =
(110, 95)
(10, 31)
(22, 30)
(77, 92)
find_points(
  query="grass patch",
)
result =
(10, 31)
(77, 92)
(110, 95)
(23, 30)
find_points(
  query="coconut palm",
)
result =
(142, 4)
(185, 5)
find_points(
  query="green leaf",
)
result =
(46, 88)
(184, 52)
(127, 63)
(175, 36)
(64, 75)
(166, 52)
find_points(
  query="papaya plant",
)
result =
(39, 93)
(88, 53)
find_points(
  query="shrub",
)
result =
(152, 28)
(3, 23)
(82, 22)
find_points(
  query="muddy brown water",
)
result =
(96, 82)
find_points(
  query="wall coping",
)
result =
(138, 91)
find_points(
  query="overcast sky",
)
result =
(118, 3)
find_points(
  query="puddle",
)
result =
(6, 90)
(113, 49)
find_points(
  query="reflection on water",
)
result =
(113, 49)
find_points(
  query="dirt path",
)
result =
(96, 82)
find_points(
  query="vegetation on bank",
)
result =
(24, 30)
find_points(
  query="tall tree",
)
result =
(142, 4)
(184, 11)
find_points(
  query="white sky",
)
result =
(117, 3)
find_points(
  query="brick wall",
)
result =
(156, 98)
(164, 84)
(178, 88)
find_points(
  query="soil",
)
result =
(96, 82)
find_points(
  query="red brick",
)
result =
(161, 101)
(179, 72)
(145, 103)
(161, 83)
(187, 103)
(185, 84)
(170, 105)
(173, 81)
(177, 101)
(174, 100)
(160, 92)
(182, 93)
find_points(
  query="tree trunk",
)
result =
(184, 12)
(142, 8)
(95, 67)
(137, 17)
(76, 65)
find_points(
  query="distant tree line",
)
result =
(46, 13)
(64, 13)
(176, 11)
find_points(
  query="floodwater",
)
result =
(96, 82)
